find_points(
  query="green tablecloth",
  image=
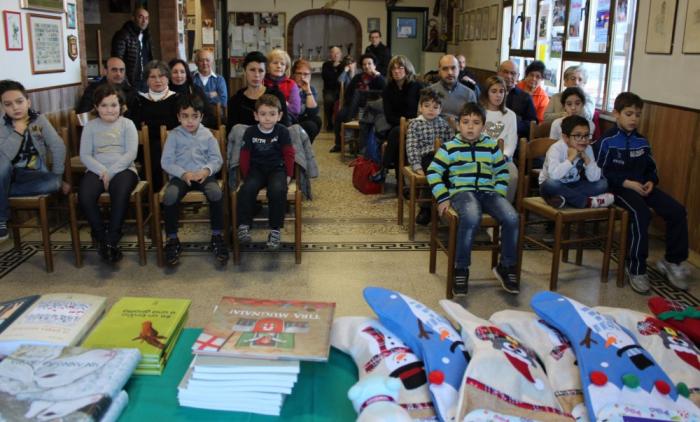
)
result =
(320, 394)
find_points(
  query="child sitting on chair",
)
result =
(478, 180)
(420, 139)
(570, 175)
(108, 147)
(25, 137)
(267, 160)
(191, 157)
(574, 100)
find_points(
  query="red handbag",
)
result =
(361, 172)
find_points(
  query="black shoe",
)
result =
(336, 148)
(460, 286)
(4, 234)
(114, 252)
(379, 176)
(102, 249)
(218, 248)
(423, 217)
(508, 278)
(172, 251)
(555, 201)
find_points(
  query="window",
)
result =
(563, 33)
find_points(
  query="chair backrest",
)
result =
(540, 131)
(403, 130)
(220, 136)
(529, 151)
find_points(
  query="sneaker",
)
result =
(555, 201)
(508, 278)
(218, 248)
(172, 250)
(460, 286)
(274, 239)
(379, 176)
(603, 200)
(114, 253)
(423, 217)
(244, 234)
(638, 282)
(4, 234)
(336, 148)
(675, 273)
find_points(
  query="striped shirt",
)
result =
(477, 166)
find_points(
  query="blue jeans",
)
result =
(469, 206)
(576, 193)
(23, 182)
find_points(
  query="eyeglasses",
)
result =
(581, 138)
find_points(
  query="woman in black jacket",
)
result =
(182, 83)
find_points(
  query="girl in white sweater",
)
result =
(501, 124)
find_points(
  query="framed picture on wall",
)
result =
(45, 43)
(48, 5)
(493, 22)
(477, 24)
(12, 21)
(484, 23)
(691, 35)
(70, 16)
(660, 26)
(406, 27)
(372, 24)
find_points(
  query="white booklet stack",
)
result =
(237, 384)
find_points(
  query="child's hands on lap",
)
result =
(648, 187)
(105, 180)
(442, 207)
(200, 175)
(187, 177)
(636, 186)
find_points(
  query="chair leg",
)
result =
(16, 238)
(140, 235)
(622, 249)
(565, 247)
(45, 234)
(74, 232)
(342, 141)
(412, 210)
(579, 246)
(521, 241)
(399, 191)
(451, 252)
(495, 239)
(608, 246)
(556, 251)
(433, 238)
(157, 233)
(297, 228)
(234, 228)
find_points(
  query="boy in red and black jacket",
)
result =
(267, 160)
(626, 160)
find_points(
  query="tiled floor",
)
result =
(350, 241)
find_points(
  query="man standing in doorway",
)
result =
(132, 44)
(379, 50)
(518, 100)
(454, 94)
(330, 71)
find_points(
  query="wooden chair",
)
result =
(540, 130)
(563, 218)
(449, 246)
(293, 199)
(40, 205)
(142, 190)
(349, 145)
(193, 199)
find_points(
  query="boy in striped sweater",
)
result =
(478, 179)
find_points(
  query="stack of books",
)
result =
(39, 383)
(247, 357)
(60, 319)
(152, 325)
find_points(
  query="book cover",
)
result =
(12, 309)
(230, 365)
(60, 319)
(62, 383)
(268, 329)
(145, 323)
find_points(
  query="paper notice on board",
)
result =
(274, 32)
(277, 42)
(248, 34)
(237, 33)
(207, 35)
(262, 45)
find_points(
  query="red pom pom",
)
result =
(662, 387)
(599, 378)
(436, 377)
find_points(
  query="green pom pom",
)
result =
(630, 381)
(683, 389)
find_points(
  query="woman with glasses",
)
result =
(532, 84)
(156, 107)
(308, 117)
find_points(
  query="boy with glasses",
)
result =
(570, 174)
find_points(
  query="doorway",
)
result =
(406, 33)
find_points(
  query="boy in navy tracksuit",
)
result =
(626, 161)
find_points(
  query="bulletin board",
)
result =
(254, 31)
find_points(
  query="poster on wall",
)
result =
(542, 22)
(691, 37)
(662, 21)
(70, 15)
(47, 5)
(602, 21)
(13, 30)
(45, 43)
